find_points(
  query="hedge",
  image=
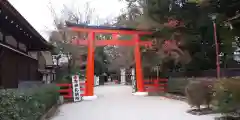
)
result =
(27, 104)
(68, 78)
(227, 95)
(177, 85)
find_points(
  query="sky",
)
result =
(38, 14)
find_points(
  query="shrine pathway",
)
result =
(115, 102)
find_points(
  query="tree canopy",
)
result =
(62, 37)
(187, 24)
(184, 33)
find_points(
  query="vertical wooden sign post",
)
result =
(96, 80)
(123, 75)
(134, 87)
(76, 88)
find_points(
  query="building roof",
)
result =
(8, 14)
(48, 57)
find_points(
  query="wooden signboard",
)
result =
(76, 88)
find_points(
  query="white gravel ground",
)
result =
(115, 102)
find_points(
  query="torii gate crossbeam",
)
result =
(91, 43)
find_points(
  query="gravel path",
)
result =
(115, 102)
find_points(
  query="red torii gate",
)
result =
(114, 31)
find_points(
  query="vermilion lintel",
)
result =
(112, 42)
(144, 43)
(115, 42)
(104, 31)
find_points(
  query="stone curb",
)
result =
(175, 97)
(50, 113)
(170, 96)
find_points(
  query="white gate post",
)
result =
(96, 80)
(123, 75)
(133, 80)
(109, 79)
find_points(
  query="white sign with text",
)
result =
(123, 75)
(76, 88)
(96, 80)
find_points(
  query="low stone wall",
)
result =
(51, 113)
(177, 85)
(29, 84)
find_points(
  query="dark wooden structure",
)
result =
(17, 39)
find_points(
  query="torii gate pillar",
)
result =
(139, 75)
(89, 95)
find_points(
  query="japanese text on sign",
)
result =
(76, 88)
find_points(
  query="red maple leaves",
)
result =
(173, 23)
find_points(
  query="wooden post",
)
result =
(90, 65)
(137, 54)
(216, 50)
(123, 75)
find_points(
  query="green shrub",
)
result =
(227, 95)
(199, 92)
(27, 104)
(68, 78)
(65, 79)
